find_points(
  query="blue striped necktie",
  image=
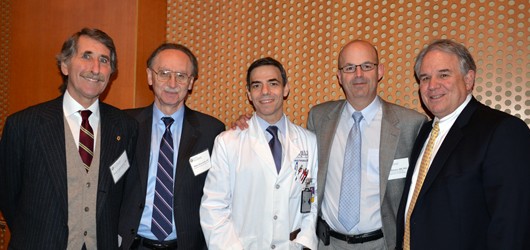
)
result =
(162, 221)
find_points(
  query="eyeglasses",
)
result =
(165, 75)
(352, 67)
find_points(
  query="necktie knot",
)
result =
(357, 117)
(273, 130)
(168, 121)
(85, 114)
(435, 130)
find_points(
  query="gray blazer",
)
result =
(399, 128)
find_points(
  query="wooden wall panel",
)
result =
(38, 29)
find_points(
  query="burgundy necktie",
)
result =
(86, 140)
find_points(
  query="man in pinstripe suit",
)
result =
(49, 198)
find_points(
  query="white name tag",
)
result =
(200, 162)
(399, 169)
(119, 167)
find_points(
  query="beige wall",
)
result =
(306, 37)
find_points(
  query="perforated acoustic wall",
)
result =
(306, 36)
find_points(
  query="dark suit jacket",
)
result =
(33, 187)
(198, 134)
(399, 128)
(476, 194)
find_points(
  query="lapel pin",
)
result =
(118, 138)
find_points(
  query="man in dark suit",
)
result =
(52, 196)
(171, 71)
(467, 187)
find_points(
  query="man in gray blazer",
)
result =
(387, 134)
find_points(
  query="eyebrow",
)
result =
(92, 53)
(439, 71)
(269, 80)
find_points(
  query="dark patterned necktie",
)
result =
(161, 224)
(276, 147)
(86, 140)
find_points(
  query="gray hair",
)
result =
(464, 57)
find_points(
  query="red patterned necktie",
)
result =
(86, 140)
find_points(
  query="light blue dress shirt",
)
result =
(157, 132)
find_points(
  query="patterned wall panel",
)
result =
(306, 37)
(4, 55)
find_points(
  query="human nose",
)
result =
(172, 82)
(358, 71)
(265, 89)
(95, 66)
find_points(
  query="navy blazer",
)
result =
(476, 194)
(198, 134)
(33, 182)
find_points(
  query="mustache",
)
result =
(90, 75)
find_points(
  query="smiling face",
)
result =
(266, 91)
(360, 87)
(443, 86)
(88, 71)
(171, 94)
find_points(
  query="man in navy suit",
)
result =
(473, 191)
(171, 71)
(50, 196)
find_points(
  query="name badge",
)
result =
(119, 167)
(399, 169)
(200, 162)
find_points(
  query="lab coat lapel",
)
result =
(260, 146)
(290, 146)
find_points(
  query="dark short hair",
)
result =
(70, 48)
(464, 57)
(263, 62)
(180, 47)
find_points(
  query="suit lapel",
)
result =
(325, 132)
(145, 126)
(110, 134)
(52, 142)
(387, 147)
(449, 144)
(188, 139)
(291, 146)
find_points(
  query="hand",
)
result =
(241, 123)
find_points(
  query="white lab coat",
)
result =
(246, 203)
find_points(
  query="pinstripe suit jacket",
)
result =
(33, 182)
(399, 128)
(198, 133)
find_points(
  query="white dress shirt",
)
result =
(71, 110)
(370, 218)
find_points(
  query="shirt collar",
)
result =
(178, 116)
(71, 106)
(448, 120)
(369, 112)
(280, 124)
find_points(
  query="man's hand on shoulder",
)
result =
(242, 122)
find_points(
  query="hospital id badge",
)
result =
(306, 201)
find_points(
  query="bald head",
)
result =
(358, 46)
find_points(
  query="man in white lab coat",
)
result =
(260, 192)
